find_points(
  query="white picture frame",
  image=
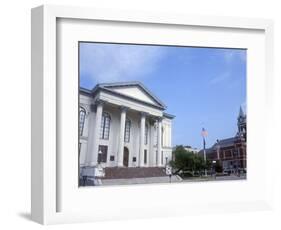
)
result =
(53, 203)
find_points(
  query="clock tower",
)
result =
(241, 123)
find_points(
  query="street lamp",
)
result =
(204, 134)
(214, 168)
(169, 172)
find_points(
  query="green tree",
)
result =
(199, 163)
(182, 159)
(188, 162)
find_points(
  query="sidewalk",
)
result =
(212, 178)
(147, 180)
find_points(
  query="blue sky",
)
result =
(202, 87)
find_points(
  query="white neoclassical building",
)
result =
(123, 125)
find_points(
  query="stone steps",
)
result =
(128, 173)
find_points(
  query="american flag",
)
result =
(204, 132)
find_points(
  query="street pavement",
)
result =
(150, 180)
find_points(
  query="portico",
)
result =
(124, 118)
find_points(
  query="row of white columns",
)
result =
(93, 146)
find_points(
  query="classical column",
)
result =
(152, 157)
(121, 136)
(93, 139)
(91, 128)
(159, 142)
(142, 136)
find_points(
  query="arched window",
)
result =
(82, 120)
(146, 134)
(105, 126)
(127, 131)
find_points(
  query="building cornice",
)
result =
(96, 90)
(167, 115)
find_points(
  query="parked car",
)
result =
(228, 171)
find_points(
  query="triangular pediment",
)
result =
(134, 90)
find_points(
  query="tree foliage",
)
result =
(186, 161)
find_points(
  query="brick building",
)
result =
(231, 152)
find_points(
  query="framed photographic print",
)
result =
(133, 111)
(132, 143)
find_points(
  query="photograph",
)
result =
(161, 114)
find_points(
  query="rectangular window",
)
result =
(111, 158)
(156, 160)
(145, 156)
(134, 159)
(105, 126)
(162, 157)
(146, 135)
(162, 136)
(228, 154)
(127, 131)
(106, 130)
(102, 156)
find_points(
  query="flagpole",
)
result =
(204, 134)
(205, 159)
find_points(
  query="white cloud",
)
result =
(219, 78)
(113, 63)
(230, 58)
(231, 55)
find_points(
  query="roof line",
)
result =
(85, 91)
(169, 115)
(133, 83)
(96, 89)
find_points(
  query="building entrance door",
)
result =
(126, 157)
